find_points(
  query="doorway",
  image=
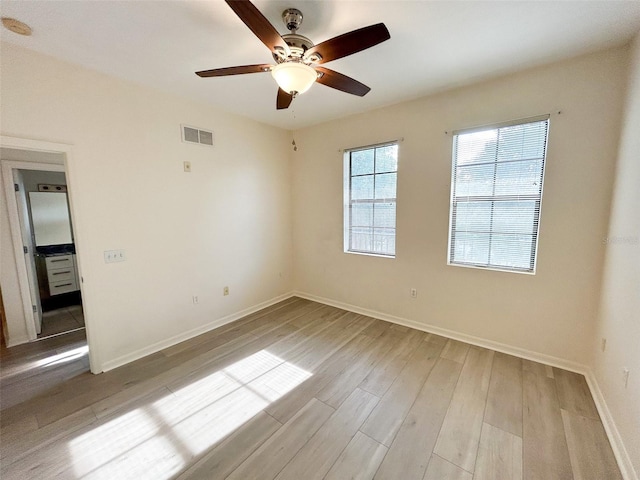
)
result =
(47, 232)
(44, 294)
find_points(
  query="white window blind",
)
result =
(496, 193)
(370, 199)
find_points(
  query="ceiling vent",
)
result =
(196, 135)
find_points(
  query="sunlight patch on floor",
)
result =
(159, 439)
(49, 361)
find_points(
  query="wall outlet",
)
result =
(603, 344)
(225, 291)
(195, 299)
(625, 376)
(413, 292)
(187, 166)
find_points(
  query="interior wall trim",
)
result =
(194, 332)
(610, 427)
(617, 445)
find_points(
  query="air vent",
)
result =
(196, 135)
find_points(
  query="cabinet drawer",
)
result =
(59, 261)
(62, 286)
(60, 274)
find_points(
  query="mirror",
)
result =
(50, 217)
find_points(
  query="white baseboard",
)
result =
(617, 445)
(161, 345)
(463, 337)
(619, 450)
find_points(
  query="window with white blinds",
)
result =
(370, 178)
(496, 191)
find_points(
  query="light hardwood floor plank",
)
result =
(460, 433)
(271, 457)
(392, 362)
(328, 342)
(545, 453)
(574, 394)
(411, 449)
(440, 469)
(359, 461)
(589, 449)
(386, 419)
(286, 407)
(499, 455)
(228, 455)
(337, 391)
(15, 447)
(455, 350)
(317, 456)
(504, 400)
(537, 368)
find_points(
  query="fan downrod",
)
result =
(292, 18)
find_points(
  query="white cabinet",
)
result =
(62, 274)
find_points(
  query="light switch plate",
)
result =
(111, 256)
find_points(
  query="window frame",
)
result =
(348, 201)
(532, 197)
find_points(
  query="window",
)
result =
(370, 177)
(496, 190)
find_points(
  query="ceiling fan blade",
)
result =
(221, 72)
(336, 80)
(284, 99)
(349, 43)
(258, 24)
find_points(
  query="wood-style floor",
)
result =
(303, 391)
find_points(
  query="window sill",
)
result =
(492, 269)
(366, 254)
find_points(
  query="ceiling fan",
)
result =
(297, 58)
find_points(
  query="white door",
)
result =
(29, 249)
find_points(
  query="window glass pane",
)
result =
(472, 216)
(384, 241)
(511, 250)
(362, 187)
(522, 141)
(471, 248)
(362, 162)
(514, 217)
(503, 167)
(518, 178)
(385, 215)
(387, 159)
(361, 239)
(362, 215)
(386, 185)
(477, 147)
(475, 180)
(371, 221)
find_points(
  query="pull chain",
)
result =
(295, 147)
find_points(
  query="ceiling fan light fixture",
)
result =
(294, 77)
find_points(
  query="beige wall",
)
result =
(619, 320)
(552, 313)
(226, 223)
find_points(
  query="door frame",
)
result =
(68, 167)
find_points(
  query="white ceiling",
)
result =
(435, 45)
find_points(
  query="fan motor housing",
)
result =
(298, 44)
